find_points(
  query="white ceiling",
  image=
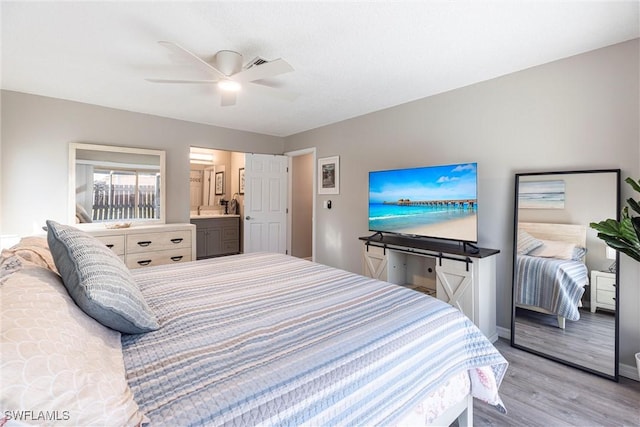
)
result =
(350, 58)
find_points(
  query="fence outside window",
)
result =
(123, 195)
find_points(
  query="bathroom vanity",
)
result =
(216, 235)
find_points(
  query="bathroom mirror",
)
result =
(110, 184)
(565, 293)
(209, 182)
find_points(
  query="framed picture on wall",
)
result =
(541, 194)
(219, 183)
(241, 181)
(329, 175)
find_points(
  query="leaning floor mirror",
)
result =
(565, 298)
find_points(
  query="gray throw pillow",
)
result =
(527, 243)
(98, 281)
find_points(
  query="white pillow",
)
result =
(59, 366)
(554, 249)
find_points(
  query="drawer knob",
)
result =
(176, 258)
(144, 243)
(110, 246)
(178, 240)
(144, 262)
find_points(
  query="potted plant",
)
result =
(623, 235)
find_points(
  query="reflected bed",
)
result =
(550, 271)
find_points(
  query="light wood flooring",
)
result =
(588, 342)
(540, 392)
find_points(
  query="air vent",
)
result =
(254, 62)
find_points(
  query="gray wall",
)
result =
(36, 132)
(578, 113)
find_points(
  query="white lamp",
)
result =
(611, 254)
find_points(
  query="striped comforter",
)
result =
(553, 284)
(275, 340)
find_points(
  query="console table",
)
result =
(465, 279)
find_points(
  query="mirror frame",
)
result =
(74, 146)
(616, 361)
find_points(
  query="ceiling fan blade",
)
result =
(203, 65)
(182, 81)
(273, 91)
(227, 98)
(263, 71)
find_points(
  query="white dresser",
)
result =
(147, 245)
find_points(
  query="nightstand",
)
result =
(603, 290)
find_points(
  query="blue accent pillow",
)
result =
(98, 281)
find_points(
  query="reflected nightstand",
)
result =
(603, 290)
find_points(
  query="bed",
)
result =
(251, 339)
(550, 271)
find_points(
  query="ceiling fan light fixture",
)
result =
(229, 85)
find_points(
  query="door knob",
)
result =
(247, 217)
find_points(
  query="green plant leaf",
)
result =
(610, 227)
(635, 185)
(634, 205)
(623, 235)
(621, 246)
(636, 226)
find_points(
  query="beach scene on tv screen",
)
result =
(434, 201)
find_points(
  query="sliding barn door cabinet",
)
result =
(464, 278)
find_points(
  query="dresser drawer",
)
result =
(149, 242)
(605, 297)
(149, 259)
(115, 243)
(606, 284)
(145, 245)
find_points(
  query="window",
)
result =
(125, 194)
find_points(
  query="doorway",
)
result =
(301, 201)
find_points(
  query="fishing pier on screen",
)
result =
(458, 203)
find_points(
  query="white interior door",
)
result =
(265, 203)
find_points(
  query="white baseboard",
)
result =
(627, 371)
(504, 333)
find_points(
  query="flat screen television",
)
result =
(433, 201)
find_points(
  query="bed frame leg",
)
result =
(561, 322)
(465, 419)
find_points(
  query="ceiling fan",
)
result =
(230, 76)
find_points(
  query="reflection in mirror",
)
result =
(115, 184)
(565, 298)
(205, 167)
